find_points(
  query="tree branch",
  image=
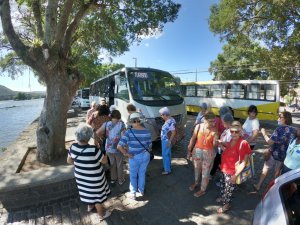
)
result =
(50, 21)
(17, 45)
(36, 8)
(63, 21)
(73, 26)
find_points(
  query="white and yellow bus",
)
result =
(237, 94)
(148, 89)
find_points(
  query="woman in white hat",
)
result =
(139, 142)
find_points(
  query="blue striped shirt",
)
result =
(134, 147)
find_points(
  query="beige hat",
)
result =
(236, 125)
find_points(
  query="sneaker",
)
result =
(122, 182)
(165, 173)
(132, 196)
(218, 184)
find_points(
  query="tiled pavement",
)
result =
(167, 199)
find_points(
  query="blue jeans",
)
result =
(166, 154)
(137, 172)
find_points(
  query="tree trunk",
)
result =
(53, 119)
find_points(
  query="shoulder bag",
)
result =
(150, 152)
(248, 171)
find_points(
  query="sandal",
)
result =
(90, 208)
(218, 200)
(199, 193)
(193, 187)
(106, 214)
(223, 209)
(255, 187)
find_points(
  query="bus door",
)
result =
(111, 92)
(121, 95)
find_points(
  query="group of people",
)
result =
(113, 141)
(218, 142)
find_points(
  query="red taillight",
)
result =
(268, 188)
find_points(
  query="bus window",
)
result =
(217, 91)
(202, 91)
(255, 91)
(190, 90)
(270, 92)
(236, 91)
(121, 89)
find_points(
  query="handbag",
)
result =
(248, 170)
(150, 152)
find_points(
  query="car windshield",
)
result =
(85, 93)
(153, 85)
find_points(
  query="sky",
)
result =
(185, 46)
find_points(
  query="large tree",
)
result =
(275, 25)
(51, 36)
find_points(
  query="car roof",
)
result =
(291, 175)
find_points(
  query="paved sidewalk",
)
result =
(167, 199)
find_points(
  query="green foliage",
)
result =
(93, 71)
(109, 26)
(272, 29)
(21, 96)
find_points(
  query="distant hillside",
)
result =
(7, 94)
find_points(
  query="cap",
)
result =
(164, 111)
(135, 116)
(227, 117)
(203, 105)
(236, 125)
(223, 110)
(112, 108)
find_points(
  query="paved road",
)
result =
(167, 199)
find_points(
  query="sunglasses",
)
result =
(136, 121)
(234, 131)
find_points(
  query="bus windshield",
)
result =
(153, 85)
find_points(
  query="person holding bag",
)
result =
(112, 132)
(136, 144)
(205, 135)
(89, 174)
(278, 142)
(233, 161)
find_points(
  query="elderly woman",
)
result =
(225, 137)
(91, 111)
(167, 134)
(292, 159)
(233, 162)
(251, 126)
(89, 174)
(279, 142)
(205, 135)
(112, 131)
(202, 112)
(139, 142)
(97, 119)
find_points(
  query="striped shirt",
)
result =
(89, 173)
(134, 147)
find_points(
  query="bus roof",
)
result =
(232, 82)
(130, 69)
